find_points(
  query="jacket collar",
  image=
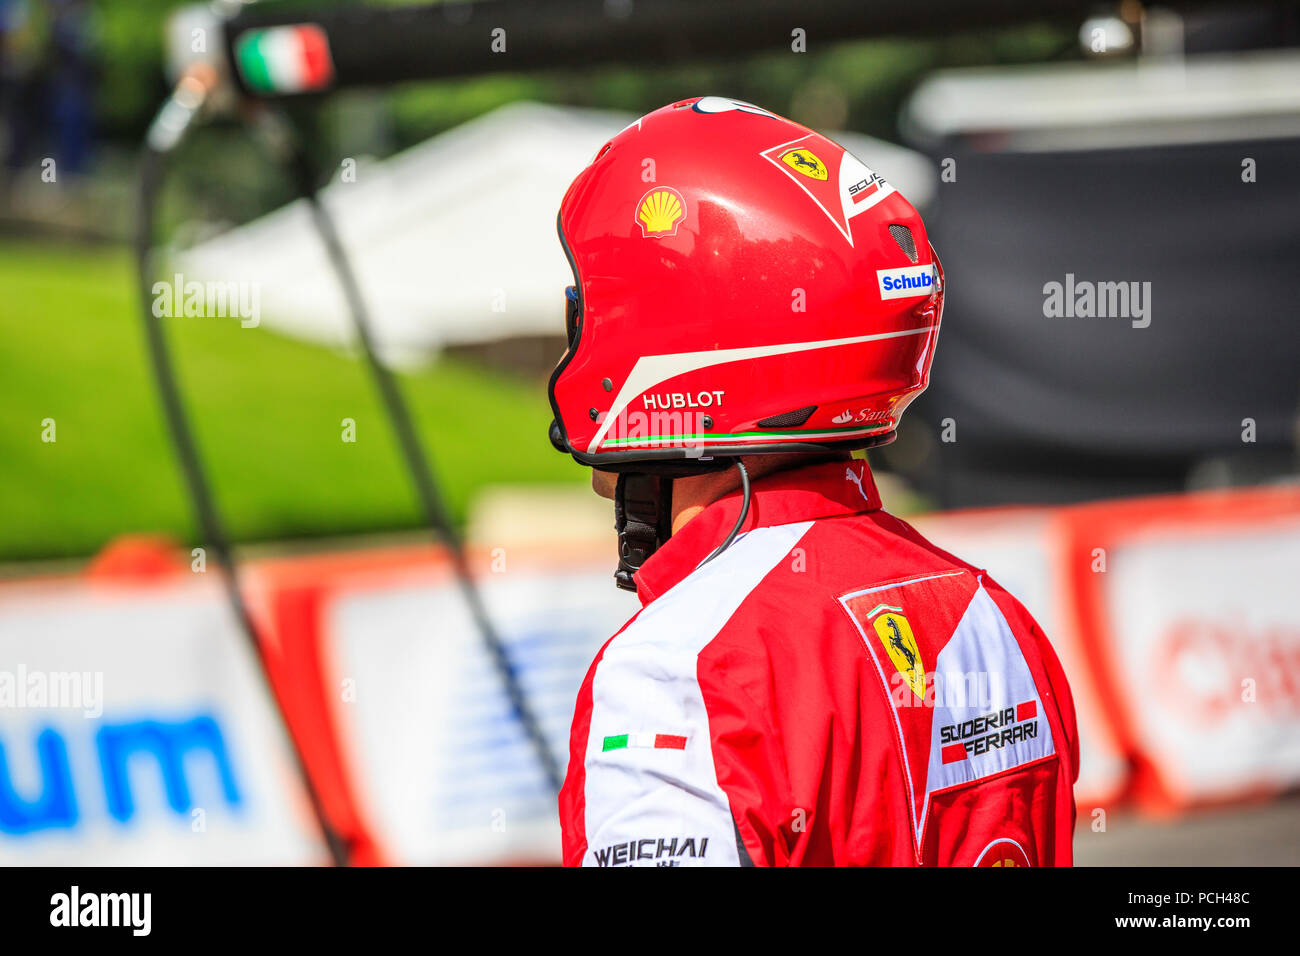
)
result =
(802, 494)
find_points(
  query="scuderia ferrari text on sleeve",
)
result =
(830, 690)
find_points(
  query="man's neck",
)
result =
(693, 494)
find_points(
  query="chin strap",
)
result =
(643, 506)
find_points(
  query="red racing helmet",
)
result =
(743, 285)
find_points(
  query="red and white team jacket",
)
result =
(831, 689)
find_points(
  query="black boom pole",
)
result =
(374, 45)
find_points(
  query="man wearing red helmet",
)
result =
(809, 681)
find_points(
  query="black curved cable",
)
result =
(417, 462)
(740, 521)
(152, 170)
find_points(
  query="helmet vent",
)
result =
(789, 419)
(903, 236)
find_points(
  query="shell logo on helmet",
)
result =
(660, 212)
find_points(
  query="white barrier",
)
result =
(135, 729)
(442, 769)
(1195, 639)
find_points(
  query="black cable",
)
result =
(744, 513)
(152, 169)
(417, 463)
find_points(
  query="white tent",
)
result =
(1141, 101)
(453, 240)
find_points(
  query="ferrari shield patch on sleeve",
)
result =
(975, 712)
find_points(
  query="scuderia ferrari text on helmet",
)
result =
(742, 286)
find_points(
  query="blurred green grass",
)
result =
(268, 413)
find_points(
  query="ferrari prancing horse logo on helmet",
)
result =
(805, 161)
(660, 212)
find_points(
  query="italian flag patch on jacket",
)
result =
(644, 742)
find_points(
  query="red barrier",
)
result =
(1186, 606)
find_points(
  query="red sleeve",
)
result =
(1042, 649)
(573, 833)
(573, 795)
(1063, 700)
(1061, 691)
